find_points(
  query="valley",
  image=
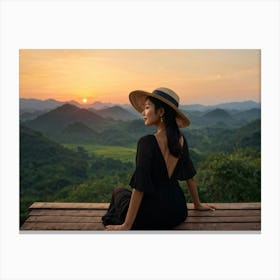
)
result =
(74, 154)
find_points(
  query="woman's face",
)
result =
(150, 116)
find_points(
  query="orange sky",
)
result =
(197, 76)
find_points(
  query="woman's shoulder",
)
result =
(146, 139)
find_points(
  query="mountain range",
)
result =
(114, 113)
(59, 119)
(243, 105)
(34, 105)
(31, 105)
(71, 124)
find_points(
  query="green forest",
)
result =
(83, 164)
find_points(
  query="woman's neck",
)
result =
(161, 128)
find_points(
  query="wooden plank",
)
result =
(66, 212)
(64, 219)
(219, 226)
(61, 226)
(224, 213)
(185, 226)
(68, 205)
(241, 219)
(78, 219)
(104, 206)
(99, 213)
(232, 206)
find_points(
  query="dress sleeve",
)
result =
(141, 179)
(186, 169)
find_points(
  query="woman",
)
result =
(156, 201)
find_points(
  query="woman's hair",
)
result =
(172, 130)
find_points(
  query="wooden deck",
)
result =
(87, 216)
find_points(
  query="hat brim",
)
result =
(137, 99)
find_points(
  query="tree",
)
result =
(232, 177)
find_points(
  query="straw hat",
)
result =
(137, 99)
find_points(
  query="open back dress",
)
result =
(163, 205)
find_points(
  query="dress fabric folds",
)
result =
(163, 205)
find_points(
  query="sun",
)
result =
(84, 100)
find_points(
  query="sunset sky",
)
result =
(197, 76)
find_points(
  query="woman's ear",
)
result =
(161, 112)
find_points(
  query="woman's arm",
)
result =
(134, 204)
(195, 197)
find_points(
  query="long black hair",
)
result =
(173, 132)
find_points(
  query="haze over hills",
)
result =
(249, 115)
(220, 116)
(100, 105)
(115, 112)
(217, 114)
(55, 121)
(70, 124)
(32, 105)
(242, 105)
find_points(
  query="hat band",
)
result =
(166, 96)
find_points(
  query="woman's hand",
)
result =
(117, 227)
(204, 207)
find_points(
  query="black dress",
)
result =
(163, 205)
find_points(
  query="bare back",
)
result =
(169, 159)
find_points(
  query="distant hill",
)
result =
(223, 118)
(194, 107)
(248, 115)
(35, 147)
(100, 105)
(218, 115)
(70, 124)
(224, 139)
(32, 105)
(55, 121)
(131, 110)
(31, 116)
(77, 133)
(243, 105)
(116, 113)
(195, 117)
(250, 135)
